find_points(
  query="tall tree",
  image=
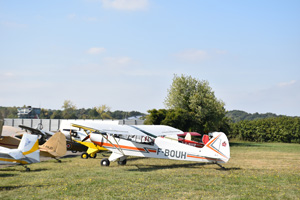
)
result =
(69, 110)
(196, 98)
(103, 111)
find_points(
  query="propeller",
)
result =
(87, 137)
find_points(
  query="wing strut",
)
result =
(104, 134)
(116, 146)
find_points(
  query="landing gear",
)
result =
(85, 156)
(26, 168)
(58, 160)
(123, 162)
(223, 168)
(93, 155)
(105, 162)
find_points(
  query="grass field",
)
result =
(255, 171)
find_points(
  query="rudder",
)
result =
(219, 144)
(29, 146)
(56, 144)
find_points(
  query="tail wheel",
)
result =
(105, 162)
(123, 162)
(85, 156)
(93, 155)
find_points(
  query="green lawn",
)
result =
(255, 171)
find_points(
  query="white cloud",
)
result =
(129, 5)
(8, 74)
(193, 55)
(198, 55)
(286, 84)
(96, 50)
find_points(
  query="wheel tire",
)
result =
(85, 156)
(93, 155)
(27, 169)
(105, 162)
(123, 162)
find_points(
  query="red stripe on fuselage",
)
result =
(152, 151)
(121, 146)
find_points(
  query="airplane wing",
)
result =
(139, 130)
(9, 142)
(109, 128)
(36, 131)
(158, 130)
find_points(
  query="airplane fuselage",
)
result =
(166, 148)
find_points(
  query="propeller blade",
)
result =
(87, 137)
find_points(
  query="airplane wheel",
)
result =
(105, 162)
(85, 156)
(93, 155)
(123, 162)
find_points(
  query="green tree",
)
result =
(196, 97)
(68, 110)
(179, 118)
(57, 114)
(156, 116)
(103, 111)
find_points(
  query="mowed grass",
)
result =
(255, 171)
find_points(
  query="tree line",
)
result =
(238, 115)
(275, 129)
(69, 111)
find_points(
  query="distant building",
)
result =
(29, 113)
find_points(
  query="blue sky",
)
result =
(124, 53)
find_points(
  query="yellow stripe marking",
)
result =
(34, 148)
(14, 161)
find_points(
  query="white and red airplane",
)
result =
(154, 141)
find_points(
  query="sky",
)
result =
(124, 53)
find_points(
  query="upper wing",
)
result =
(36, 131)
(109, 128)
(158, 130)
(32, 130)
(150, 130)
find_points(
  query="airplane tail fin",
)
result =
(219, 146)
(56, 145)
(29, 146)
